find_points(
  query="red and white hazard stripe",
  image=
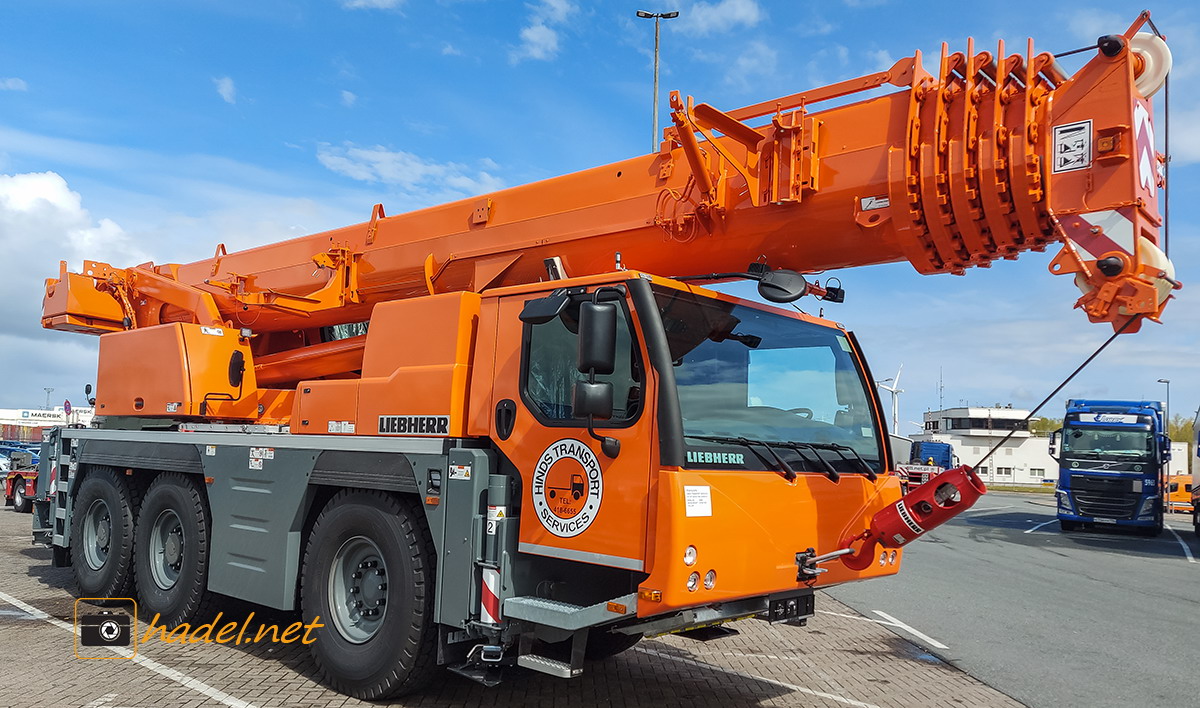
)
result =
(1101, 232)
(489, 606)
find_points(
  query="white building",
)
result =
(37, 418)
(1024, 459)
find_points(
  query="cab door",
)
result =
(577, 503)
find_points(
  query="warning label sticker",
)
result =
(1072, 146)
(697, 500)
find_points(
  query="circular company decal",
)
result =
(567, 488)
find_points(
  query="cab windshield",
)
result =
(1093, 443)
(790, 388)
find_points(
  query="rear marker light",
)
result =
(892, 558)
(689, 555)
(710, 580)
(693, 582)
(882, 558)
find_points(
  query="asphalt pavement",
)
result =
(1093, 618)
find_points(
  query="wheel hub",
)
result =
(97, 533)
(358, 589)
(166, 549)
(172, 549)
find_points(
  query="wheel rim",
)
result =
(97, 534)
(358, 590)
(166, 549)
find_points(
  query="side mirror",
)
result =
(782, 286)
(597, 355)
(597, 337)
(594, 400)
(1054, 443)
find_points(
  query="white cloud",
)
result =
(226, 89)
(449, 49)
(13, 84)
(709, 18)
(879, 60)
(539, 38)
(42, 221)
(349, 98)
(537, 42)
(756, 61)
(420, 179)
(372, 4)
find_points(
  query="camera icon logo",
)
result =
(106, 629)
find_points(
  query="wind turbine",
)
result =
(895, 390)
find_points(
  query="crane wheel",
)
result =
(102, 535)
(21, 503)
(171, 560)
(368, 578)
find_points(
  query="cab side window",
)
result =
(549, 372)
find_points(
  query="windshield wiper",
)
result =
(788, 473)
(841, 451)
(799, 447)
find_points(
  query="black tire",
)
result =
(396, 653)
(21, 503)
(173, 574)
(1068, 526)
(602, 645)
(105, 567)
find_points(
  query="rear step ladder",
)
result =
(576, 619)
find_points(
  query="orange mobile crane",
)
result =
(514, 429)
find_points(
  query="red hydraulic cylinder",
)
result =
(928, 506)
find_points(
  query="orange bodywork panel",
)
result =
(416, 367)
(774, 520)
(173, 370)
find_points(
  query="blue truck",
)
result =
(1112, 456)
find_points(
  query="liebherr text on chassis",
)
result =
(542, 448)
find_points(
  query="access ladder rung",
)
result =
(546, 665)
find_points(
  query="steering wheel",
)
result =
(805, 413)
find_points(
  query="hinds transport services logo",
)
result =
(568, 488)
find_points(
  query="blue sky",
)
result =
(133, 131)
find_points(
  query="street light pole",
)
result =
(656, 16)
(1167, 415)
(48, 391)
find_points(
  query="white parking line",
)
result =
(1186, 551)
(920, 635)
(1035, 528)
(755, 677)
(890, 621)
(990, 508)
(164, 671)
